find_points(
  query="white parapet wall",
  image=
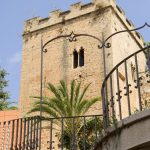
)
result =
(130, 134)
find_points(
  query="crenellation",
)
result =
(128, 21)
(122, 14)
(99, 4)
(129, 25)
(55, 14)
(120, 10)
(64, 13)
(29, 24)
(54, 17)
(85, 6)
(76, 10)
(138, 35)
(76, 6)
(43, 20)
(32, 19)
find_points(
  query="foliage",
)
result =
(147, 55)
(12, 108)
(84, 133)
(68, 103)
(64, 104)
(4, 96)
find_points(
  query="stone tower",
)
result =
(62, 60)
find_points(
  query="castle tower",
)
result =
(80, 60)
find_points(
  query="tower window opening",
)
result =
(75, 59)
(81, 57)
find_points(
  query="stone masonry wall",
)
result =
(125, 44)
(95, 18)
(58, 61)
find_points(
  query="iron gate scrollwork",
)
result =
(72, 37)
(118, 88)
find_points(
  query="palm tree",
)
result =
(66, 103)
(85, 133)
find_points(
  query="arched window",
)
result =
(81, 57)
(75, 59)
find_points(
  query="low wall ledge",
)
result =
(119, 126)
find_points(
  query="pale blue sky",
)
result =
(14, 12)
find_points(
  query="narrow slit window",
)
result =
(75, 59)
(81, 57)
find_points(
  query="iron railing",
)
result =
(20, 134)
(124, 90)
(72, 133)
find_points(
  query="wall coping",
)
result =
(133, 119)
(77, 10)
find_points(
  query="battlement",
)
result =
(77, 10)
(57, 16)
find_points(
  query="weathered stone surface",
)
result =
(58, 61)
(132, 134)
(100, 17)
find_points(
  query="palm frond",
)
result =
(83, 93)
(65, 98)
(46, 110)
(77, 92)
(68, 108)
(54, 90)
(80, 107)
(65, 89)
(72, 92)
(52, 103)
(89, 104)
(59, 106)
(64, 104)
